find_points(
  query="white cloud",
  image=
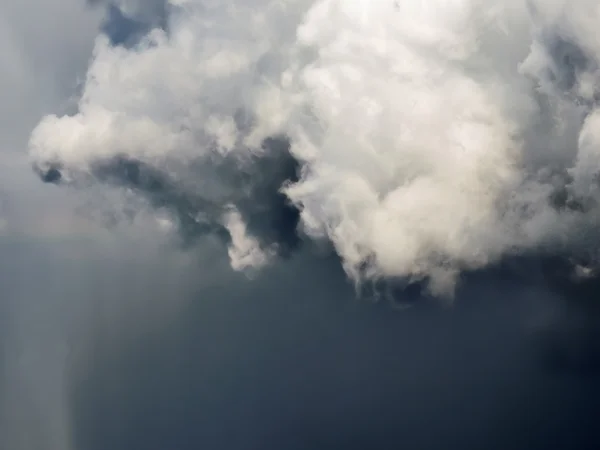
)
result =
(244, 251)
(418, 124)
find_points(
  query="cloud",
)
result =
(287, 360)
(429, 139)
(419, 142)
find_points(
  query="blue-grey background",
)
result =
(110, 340)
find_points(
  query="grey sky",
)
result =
(45, 48)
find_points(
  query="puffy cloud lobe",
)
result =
(420, 140)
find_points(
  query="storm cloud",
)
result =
(294, 190)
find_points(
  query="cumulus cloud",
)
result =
(419, 140)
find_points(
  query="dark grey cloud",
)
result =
(254, 189)
(292, 361)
